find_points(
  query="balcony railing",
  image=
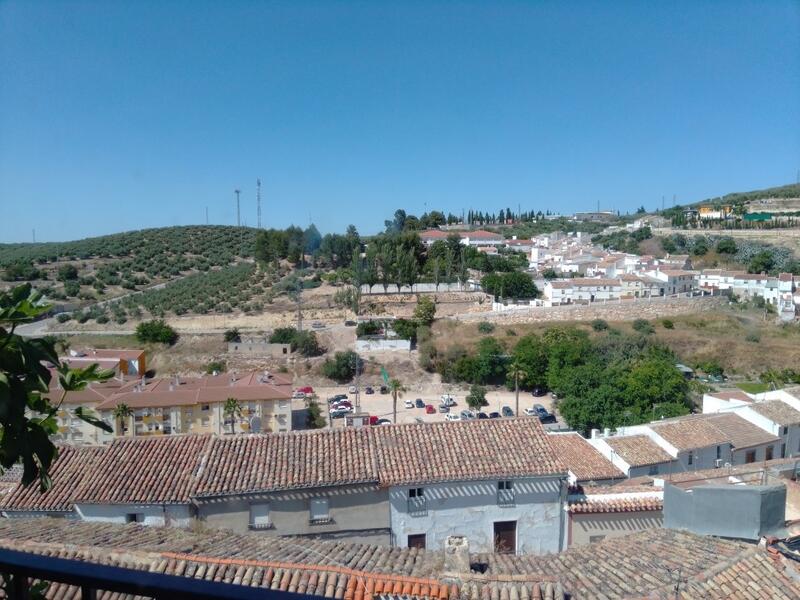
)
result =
(23, 567)
(417, 506)
(506, 498)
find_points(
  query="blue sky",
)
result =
(117, 116)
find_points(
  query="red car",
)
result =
(429, 409)
(373, 419)
(306, 390)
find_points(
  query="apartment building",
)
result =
(676, 281)
(497, 483)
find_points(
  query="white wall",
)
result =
(470, 509)
(376, 345)
(159, 515)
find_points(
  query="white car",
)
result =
(408, 403)
(448, 400)
(298, 395)
(352, 390)
(452, 417)
(531, 412)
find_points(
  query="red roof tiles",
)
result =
(582, 459)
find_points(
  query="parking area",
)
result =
(380, 405)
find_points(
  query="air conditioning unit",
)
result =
(718, 463)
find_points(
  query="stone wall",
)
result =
(616, 310)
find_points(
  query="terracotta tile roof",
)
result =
(156, 470)
(615, 505)
(464, 450)
(123, 354)
(434, 234)
(582, 459)
(481, 234)
(593, 282)
(635, 566)
(777, 411)
(638, 450)
(11, 475)
(739, 431)
(73, 467)
(292, 460)
(689, 434)
(732, 395)
(738, 471)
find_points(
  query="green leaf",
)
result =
(89, 417)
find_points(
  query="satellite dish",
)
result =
(255, 424)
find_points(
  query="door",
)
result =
(505, 537)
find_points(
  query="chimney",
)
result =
(607, 432)
(456, 554)
(595, 434)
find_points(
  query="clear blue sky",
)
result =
(117, 116)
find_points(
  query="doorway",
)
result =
(505, 537)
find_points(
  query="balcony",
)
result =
(418, 506)
(89, 578)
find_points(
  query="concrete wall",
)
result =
(418, 288)
(159, 515)
(259, 348)
(470, 509)
(394, 344)
(358, 513)
(735, 511)
(584, 526)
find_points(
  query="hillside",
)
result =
(99, 268)
(784, 191)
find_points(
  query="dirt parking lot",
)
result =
(380, 405)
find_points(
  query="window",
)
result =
(416, 501)
(205, 407)
(505, 485)
(259, 516)
(653, 470)
(505, 493)
(719, 452)
(691, 458)
(786, 430)
(134, 518)
(768, 455)
(750, 456)
(593, 539)
(416, 540)
(318, 510)
(783, 450)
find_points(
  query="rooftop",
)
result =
(688, 434)
(582, 459)
(638, 450)
(740, 432)
(777, 411)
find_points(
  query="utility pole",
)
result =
(258, 200)
(238, 212)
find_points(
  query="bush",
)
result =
(72, 288)
(643, 326)
(282, 335)
(63, 317)
(342, 367)
(216, 365)
(156, 331)
(599, 325)
(67, 272)
(752, 337)
(425, 312)
(102, 319)
(405, 329)
(476, 399)
(233, 335)
(485, 327)
(668, 324)
(307, 344)
(368, 328)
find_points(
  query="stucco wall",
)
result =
(174, 515)
(582, 527)
(470, 509)
(355, 511)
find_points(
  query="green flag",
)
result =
(385, 374)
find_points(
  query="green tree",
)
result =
(123, 412)
(232, 410)
(549, 274)
(342, 367)
(516, 373)
(27, 414)
(476, 399)
(425, 311)
(233, 335)
(654, 380)
(314, 416)
(531, 355)
(67, 272)
(726, 245)
(396, 389)
(763, 262)
(156, 331)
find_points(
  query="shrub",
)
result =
(72, 288)
(752, 337)
(511, 332)
(63, 317)
(405, 329)
(216, 365)
(102, 319)
(485, 327)
(282, 335)
(668, 324)
(599, 325)
(425, 312)
(67, 272)
(643, 326)
(307, 344)
(476, 399)
(156, 331)
(368, 328)
(232, 335)
(342, 367)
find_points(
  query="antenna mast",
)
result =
(238, 212)
(258, 200)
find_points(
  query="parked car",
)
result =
(539, 391)
(444, 409)
(350, 323)
(369, 390)
(384, 389)
(353, 390)
(342, 404)
(338, 413)
(507, 411)
(297, 395)
(554, 396)
(531, 412)
(408, 403)
(483, 415)
(429, 409)
(419, 403)
(384, 421)
(452, 417)
(448, 400)
(539, 409)
(494, 415)
(373, 420)
(318, 325)
(467, 415)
